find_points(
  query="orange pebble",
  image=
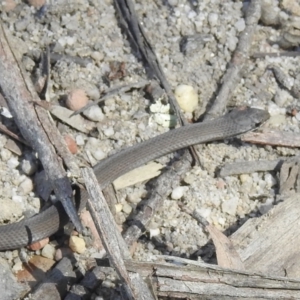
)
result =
(8, 5)
(76, 99)
(38, 245)
(220, 184)
(294, 112)
(71, 144)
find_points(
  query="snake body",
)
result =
(49, 221)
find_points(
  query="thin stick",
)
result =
(241, 54)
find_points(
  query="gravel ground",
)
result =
(89, 30)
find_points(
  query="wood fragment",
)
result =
(14, 147)
(77, 122)
(205, 280)
(270, 244)
(137, 175)
(273, 138)
(247, 167)
(83, 62)
(3, 102)
(281, 77)
(227, 255)
(275, 54)
(289, 176)
(188, 278)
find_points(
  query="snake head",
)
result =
(249, 118)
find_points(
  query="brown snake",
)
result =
(49, 221)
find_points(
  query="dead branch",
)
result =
(19, 93)
(273, 138)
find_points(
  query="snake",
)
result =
(49, 221)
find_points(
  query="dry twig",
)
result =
(241, 54)
(19, 93)
(273, 138)
(247, 167)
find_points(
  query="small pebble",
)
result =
(6, 113)
(28, 166)
(282, 97)
(230, 206)
(274, 109)
(97, 56)
(150, 247)
(15, 253)
(244, 178)
(62, 252)
(94, 147)
(205, 212)
(277, 120)
(178, 192)
(13, 163)
(5, 154)
(21, 24)
(232, 42)
(36, 3)
(38, 245)
(77, 244)
(134, 197)
(94, 113)
(154, 232)
(240, 25)
(220, 184)
(270, 180)
(18, 265)
(294, 112)
(48, 251)
(118, 207)
(99, 154)
(8, 255)
(72, 146)
(109, 131)
(93, 92)
(8, 5)
(26, 186)
(213, 19)
(173, 2)
(108, 284)
(174, 222)
(79, 140)
(187, 97)
(126, 208)
(76, 99)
